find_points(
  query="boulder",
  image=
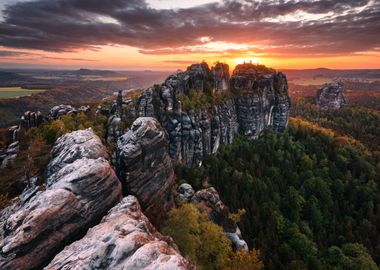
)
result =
(81, 187)
(331, 96)
(124, 239)
(145, 167)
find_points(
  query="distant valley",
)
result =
(22, 90)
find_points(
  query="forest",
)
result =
(358, 122)
(311, 197)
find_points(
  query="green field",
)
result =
(14, 92)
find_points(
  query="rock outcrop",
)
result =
(331, 96)
(208, 201)
(10, 154)
(256, 99)
(145, 167)
(61, 110)
(125, 239)
(81, 187)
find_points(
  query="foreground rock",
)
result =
(145, 167)
(331, 96)
(81, 187)
(125, 239)
(208, 201)
(254, 99)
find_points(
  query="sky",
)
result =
(171, 34)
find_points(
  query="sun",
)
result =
(253, 60)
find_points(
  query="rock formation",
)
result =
(256, 99)
(144, 166)
(7, 156)
(31, 119)
(81, 187)
(220, 77)
(331, 96)
(124, 239)
(208, 201)
(261, 99)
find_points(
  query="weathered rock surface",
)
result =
(144, 166)
(81, 187)
(257, 100)
(208, 201)
(331, 96)
(125, 239)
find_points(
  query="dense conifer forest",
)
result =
(311, 196)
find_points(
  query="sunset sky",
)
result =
(170, 34)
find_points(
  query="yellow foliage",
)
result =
(242, 260)
(200, 240)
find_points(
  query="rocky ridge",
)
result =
(124, 239)
(256, 99)
(81, 185)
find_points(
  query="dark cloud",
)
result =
(67, 25)
(12, 54)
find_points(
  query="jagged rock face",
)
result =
(261, 99)
(195, 77)
(145, 167)
(81, 187)
(220, 77)
(331, 96)
(208, 201)
(125, 239)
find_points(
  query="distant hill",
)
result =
(325, 72)
(95, 72)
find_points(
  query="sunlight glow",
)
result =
(253, 60)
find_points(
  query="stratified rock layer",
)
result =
(145, 167)
(125, 239)
(208, 201)
(255, 98)
(331, 96)
(81, 187)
